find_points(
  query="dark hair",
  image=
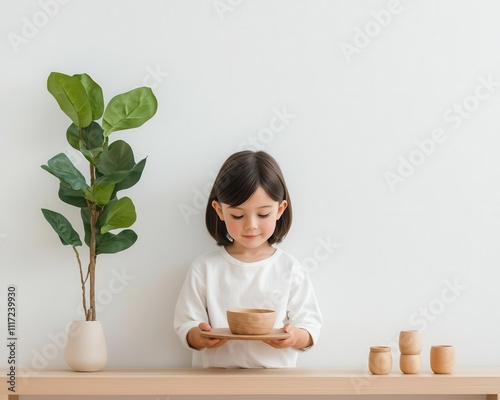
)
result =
(239, 177)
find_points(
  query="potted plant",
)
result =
(111, 169)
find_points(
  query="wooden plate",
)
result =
(225, 333)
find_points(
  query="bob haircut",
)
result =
(238, 179)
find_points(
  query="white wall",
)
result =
(390, 151)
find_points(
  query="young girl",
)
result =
(248, 211)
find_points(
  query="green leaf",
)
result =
(113, 178)
(103, 215)
(62, 227)
(110, 243)
(133, 176)
(88, 140)
(61, 167)
(92, 155)
(120, 215)
(91, 136)
(85, 214)
(71, 96)
(94, 92)
(107, 243)
(118, 156)
(72, 197)
(99, 194)
(129, 110)
(73, 136)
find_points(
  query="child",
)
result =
(248, 211)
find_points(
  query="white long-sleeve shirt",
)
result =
(217, 282)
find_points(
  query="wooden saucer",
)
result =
(225, 333)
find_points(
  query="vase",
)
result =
(85, 349)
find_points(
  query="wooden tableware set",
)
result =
(442, 357)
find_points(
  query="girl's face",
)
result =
(250, 224)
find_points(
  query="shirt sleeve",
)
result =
(191, 308)
(303, 309)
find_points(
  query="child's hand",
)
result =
(199, 342)
(299, 338)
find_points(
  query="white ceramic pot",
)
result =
(86, 346)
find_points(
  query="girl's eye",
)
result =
(237, 216)
(264, 216)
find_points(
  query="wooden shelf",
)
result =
(155, 382)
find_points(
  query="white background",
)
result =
(390, 151)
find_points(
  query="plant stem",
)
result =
(94, 215)
(84, 299)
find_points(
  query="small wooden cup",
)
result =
(410, 363)
(442, 359)
(380, 360)
(410, 342)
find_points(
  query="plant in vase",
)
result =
(111, 169)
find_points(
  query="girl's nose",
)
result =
(250, 223)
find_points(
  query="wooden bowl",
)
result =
(250, 321)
